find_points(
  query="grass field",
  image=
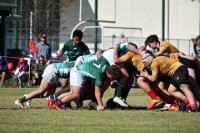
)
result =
(42, 120)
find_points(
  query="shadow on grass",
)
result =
(16, 108)
(128, 108)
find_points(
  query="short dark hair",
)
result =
(115, 71)
(151, 39)
(197, 38)
(78, 33)
(133, 44)
(41, 56)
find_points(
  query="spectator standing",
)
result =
(44, 48)
(4, 72)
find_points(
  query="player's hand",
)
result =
(143, 73)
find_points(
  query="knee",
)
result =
(171, 91)
(140, 80)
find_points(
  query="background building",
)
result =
(181, 18)
(62, 16)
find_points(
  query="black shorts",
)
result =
(197, 77)
(180, 77)
(164, 78)
(187, 63)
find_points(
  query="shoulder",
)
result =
(83, 47)
(163, 43)
(70, 42)
(48, 44)
(103, 60)
(83, 44)
(38, 44)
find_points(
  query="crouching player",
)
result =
(87, 93)
(179, 85)
(49, 82)
(96, 69)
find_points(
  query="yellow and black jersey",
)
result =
(134, 59)
(128, 57)
(174, 57)
(188, 63)
(165, 66)
(137, 62)
(168, 47)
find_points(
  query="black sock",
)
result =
(23, 99)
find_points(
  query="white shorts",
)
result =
(78, 78)
(49, 75)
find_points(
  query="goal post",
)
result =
(88, 8)
(107, 36)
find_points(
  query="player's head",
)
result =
(43, 38)
(113, 72)
(77, 36)
(152, 41)
(147, 59)
(133, 44)
(99, 53)
(197, 41)
(78, 33)
(41, 59)
(123, 40)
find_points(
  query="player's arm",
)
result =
(61, 52)
(119, 60)
(115, 53)
(124, 58)
(153, 77)
(134, 49)
(187, 57)
(116, 56)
